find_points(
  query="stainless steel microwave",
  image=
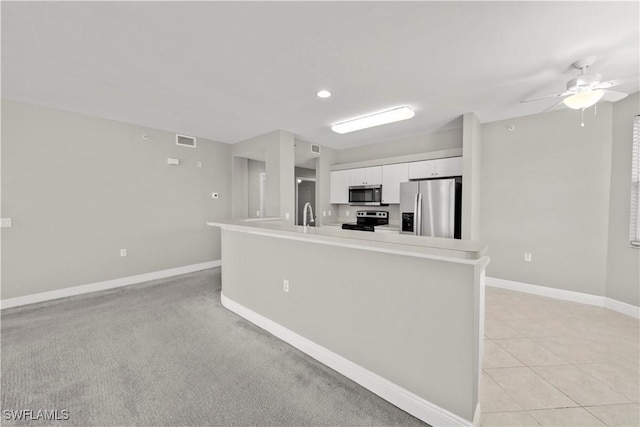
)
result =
(365, 195)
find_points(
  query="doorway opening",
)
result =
(305, 193)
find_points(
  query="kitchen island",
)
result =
(400, 315)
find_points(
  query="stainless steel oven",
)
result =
(365, 195)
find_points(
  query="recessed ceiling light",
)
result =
(390, 116)
(323, 94)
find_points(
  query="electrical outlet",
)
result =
(527, 256)
(199, 163)
(286, 216)
(285, 285)
(324, 213)
(258, 214)
(347, 213)
(123, 252)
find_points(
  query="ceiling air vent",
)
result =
(315, 148)
(186, 141)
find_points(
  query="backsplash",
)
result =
(394, 212)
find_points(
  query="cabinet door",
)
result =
(340, 186)
(392, 176)
(373, 175)
(451, 166)
(358, 176)
(422, 170)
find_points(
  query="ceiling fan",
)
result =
(585, 90)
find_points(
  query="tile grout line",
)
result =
(538, 340)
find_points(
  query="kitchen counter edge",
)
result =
(453, 250)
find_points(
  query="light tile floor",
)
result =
(555, 363)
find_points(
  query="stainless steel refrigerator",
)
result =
(431, 207)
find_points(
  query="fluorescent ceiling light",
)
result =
(583, 100)
(323, 94)
(390, 116)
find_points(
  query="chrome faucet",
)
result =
(308, 207)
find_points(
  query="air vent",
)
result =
(186, 141)
(315, 148)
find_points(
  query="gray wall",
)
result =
(471, 176)
(305, 172)
(623, 264)
(419, 144)
(80, 188)
(328, 158)
(276, 149)
(255, 168)
(545, 190)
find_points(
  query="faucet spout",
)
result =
(307, 208)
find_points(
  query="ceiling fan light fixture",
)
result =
(582, 100)
(389, 116)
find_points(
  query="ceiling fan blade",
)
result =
(612, 95)
(557, 106)
(557, 95)
(605, 85)
(616, 82)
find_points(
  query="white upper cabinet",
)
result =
(340, 186)
(392, 176)
(451, 166)
(366, 176)
(421, 170)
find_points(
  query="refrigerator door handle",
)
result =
(418, 211)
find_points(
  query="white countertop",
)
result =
(428, 247)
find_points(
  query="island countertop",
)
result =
(420, 246)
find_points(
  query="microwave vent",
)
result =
(315, 148)
(185, 141)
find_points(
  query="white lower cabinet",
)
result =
(392, 176)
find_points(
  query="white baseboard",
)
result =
(622, 307)
(402, 398)
(610, 303)
(107, 284)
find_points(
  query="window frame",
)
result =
(634, 217)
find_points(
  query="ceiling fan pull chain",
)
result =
(595, 110)
(582, 119)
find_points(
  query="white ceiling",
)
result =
(229, 71)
